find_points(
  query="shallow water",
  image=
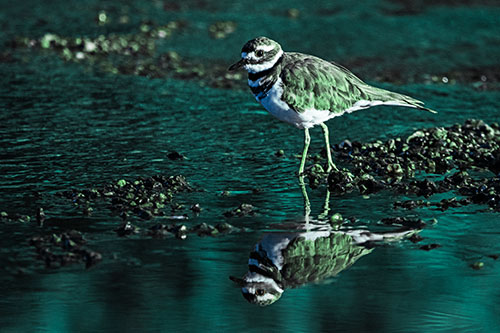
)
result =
(64, 125)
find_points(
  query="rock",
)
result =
(222, 29)
(62, 249)
(196, 208)
(415, 238)
(204, 229)
(280, 153)
(175, 156)
(429, 247)
(40, 216)
(225, 228)
(127, 229)
(413, 223)
(160, 231)
(477, 265)
(336, 220)
(241, 211)
(144, 197)
(180, 231)
(393, 164)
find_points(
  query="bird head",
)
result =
(258, 54)
(258, 289)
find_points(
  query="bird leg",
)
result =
(331, 165)
(307, 140)
(307, 204)
(326, 207)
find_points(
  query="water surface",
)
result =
(66, 125)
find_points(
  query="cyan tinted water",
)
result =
(64, 126)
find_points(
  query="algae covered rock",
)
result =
(242, 210)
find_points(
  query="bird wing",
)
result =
(313, 83)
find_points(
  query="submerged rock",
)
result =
(143, 197)
(14, 218)
(160, 231)
(127, 229)
(40, 217)
(204, 229)
(181, 231)
(174, 156)
(225, 228)
(477, 265)
(58, 250)
(429, 247)
(222, 29)
(136, 53)
(413, 223)
(392, 165)
(241, 211)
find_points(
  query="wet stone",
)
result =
(172, 230)
(40, 216)
(241, 211)
(204, 229)
(340, 181)
(160, 231)
(196, 208)
(394, 165)
(137, 54)
(429, 247)
(415, 238)
(222, 29)
(413, 223)
(477, 265)
(57, 250)
(225, 228)
(145, 198)
(175, 156)
(180, 231)
(280, 153)
(127, 229)
(14, 218)
(336, 220)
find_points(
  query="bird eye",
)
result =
(259, 53)
(260, 292)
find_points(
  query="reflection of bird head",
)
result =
(259, 289)
(289, 260)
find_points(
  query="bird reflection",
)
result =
(308, 252)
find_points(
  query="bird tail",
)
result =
(391, 98)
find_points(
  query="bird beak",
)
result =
(238, 281)
(237, 65)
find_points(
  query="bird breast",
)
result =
(273, 103)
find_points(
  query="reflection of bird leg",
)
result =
(326, 207)
(307, 141)
(307, 204)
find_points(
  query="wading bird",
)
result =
(305, 91)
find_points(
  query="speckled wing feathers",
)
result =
(313, 83)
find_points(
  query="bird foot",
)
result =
(331, 167)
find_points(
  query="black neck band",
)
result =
(256, 76)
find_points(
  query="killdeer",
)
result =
(283, 260)
(305, 91)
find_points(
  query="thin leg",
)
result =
(307, 204)
(326, 207)
(307, 141)
(331, 165)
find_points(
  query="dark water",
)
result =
(64, 125)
